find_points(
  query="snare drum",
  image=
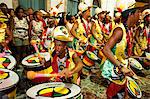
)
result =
(8, 83)
(55, 90)
(134, 63)
(32, 63)
(133, 88)
(89, 58)
(8, 62)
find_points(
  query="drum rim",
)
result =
(138, 96)
(136, 62)
(57, 97)
(2, 89)
(90, 57)
(35, 64)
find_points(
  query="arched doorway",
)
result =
(96, 3)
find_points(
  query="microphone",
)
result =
(32, 75)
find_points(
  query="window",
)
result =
(72, 6)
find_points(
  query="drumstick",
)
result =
(137, 57)
(33, 43)
(2, 54)
(31, 75)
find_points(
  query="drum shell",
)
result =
(10, 92)
(87, 61)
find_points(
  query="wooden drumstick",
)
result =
(2, 54)
(33, 43)
(31, 75)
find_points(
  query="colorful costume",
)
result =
(2, 32)
(109, 72)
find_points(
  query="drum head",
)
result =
(147, 55)
(8, 62)
(91, 55)
(133, 88)
(54, 90)
(134, 63)
(33, 60)
(8, 79)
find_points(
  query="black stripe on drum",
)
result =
(9, 90)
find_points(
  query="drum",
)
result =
(133, 88)
(89, 58)
(134, 63)
(8, 83)
(32, 62)
(79, 48)
(147, 55)
(8, 62)
(55, 90)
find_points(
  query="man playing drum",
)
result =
(114, 50)
(64, 62)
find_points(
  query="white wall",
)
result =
(8, 2)
(55, 2)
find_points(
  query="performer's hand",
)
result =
(126, 71)
(66, 72)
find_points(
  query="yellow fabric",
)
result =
(80, 31)
(120, 54)
(12, 95)
(98, 31)
(2, 32)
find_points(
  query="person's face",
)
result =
(136, 16)
(30, 11)
(20, 13)
(101, 15)
(4, 9)
(12, 13)
(87, 13)
(60, 47)
(38, 16)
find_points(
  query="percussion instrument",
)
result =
(7, 61)
(55, 90)
(134, 63)
(89, 58)
(32, 62)
(133, 88)
(147, 55)
(8, 83)
(78, 47)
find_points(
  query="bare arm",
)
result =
(115, 38)
(78, 64)
(93, 32)
(73, 30)
(9, 34)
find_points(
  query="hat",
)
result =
(54, 11)
(43, 12)
(145, 12)
(61, 33)
(83, 7)
(98, 10)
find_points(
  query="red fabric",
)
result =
(129, 43)
(113, 89)
(86, 29)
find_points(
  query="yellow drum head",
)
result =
(91, 55)
(54, 90)
(3, 75)
(133, 88)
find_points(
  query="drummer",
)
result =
(4, 30)
(114, 50)
(64, 61)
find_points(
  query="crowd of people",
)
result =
(67, 37)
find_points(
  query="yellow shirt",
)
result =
(2, 32)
